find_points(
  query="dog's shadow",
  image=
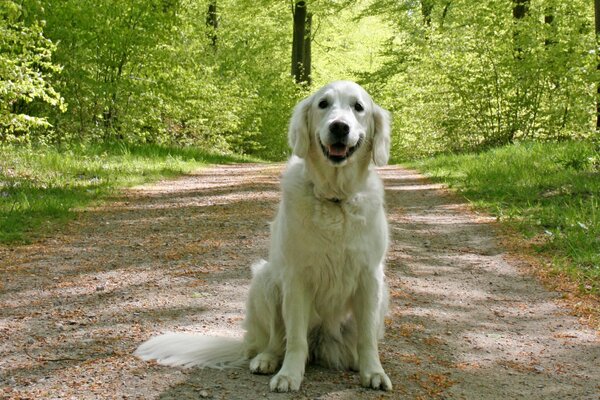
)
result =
(234, 384)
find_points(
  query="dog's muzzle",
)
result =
(338, 150)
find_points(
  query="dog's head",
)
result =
(341, 122)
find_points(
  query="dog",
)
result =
(321, 297)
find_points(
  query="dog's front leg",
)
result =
(296, 312)
(369, 317)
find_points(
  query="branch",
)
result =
(52, 359)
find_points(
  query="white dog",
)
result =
(321, 297)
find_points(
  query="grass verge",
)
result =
(550, 192)
(40, 187)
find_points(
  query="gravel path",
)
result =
(464, 322)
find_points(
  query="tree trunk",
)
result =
(299, 43)
(445, 13)
(426, 9)
(520, 9)
(212, 22)
(516, 124)
(549, 22)
(307, 57)
(597, 20)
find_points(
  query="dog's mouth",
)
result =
(338, 152)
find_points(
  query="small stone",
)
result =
(204, 394)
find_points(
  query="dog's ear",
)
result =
(381, 136)
(298, 135)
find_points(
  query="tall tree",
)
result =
(426, 10)
(301, 43)
(548, 19)
(307, 56)
(520, 9)
(212, 22)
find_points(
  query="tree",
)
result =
(426, 10)
(301, 43)
(520, 8)
(212, 22)
(307, 55)
(519, 11)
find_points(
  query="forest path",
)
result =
(464, 321)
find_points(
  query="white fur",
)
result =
(321, 297)
(188, 350)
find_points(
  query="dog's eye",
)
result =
(358, 107)
(323, 104)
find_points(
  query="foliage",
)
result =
(25, 71)
(549, 191)
(457, 75)
(43, 186)
(465, 75)
(238, 95)
(148, 72)
(109, 51)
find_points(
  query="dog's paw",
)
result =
(283, 382)
(264, 363)
(376, 380)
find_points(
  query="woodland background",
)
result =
(457, 75)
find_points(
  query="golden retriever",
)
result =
(321, 296)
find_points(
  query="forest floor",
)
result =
(466, 321)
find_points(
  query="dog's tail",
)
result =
(188, 350)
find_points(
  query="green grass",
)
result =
(41, 187)
(548, 191)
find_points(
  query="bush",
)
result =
(26, 69)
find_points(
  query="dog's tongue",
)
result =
(337, 150)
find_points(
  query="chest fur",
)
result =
(332, 241)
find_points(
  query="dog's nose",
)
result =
(339, 129)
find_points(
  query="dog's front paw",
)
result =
(284, 382)
(264, 363)
(376, 380)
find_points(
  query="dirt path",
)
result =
(464, 322)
